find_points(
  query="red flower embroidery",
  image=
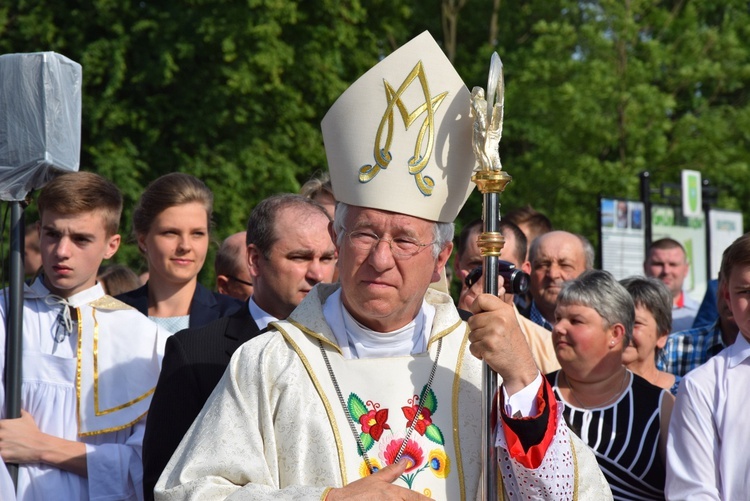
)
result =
(412, 454)
(374, 422)
(423, 420)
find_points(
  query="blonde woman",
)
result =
(172, 222)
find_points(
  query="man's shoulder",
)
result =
(705, 378)
(238, 324)
(695, 336)
(215, 300)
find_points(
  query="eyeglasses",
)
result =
(230, 277)
(401, 247)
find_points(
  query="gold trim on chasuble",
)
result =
(318, 388)
(330, 411)
(79, 355)
(456, 392)
(422, 153)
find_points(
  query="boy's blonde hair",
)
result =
(80, 192)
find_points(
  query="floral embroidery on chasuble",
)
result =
(382, 396)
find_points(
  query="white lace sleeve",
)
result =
(569, 470)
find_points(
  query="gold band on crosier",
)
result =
(491, 243)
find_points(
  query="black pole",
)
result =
(706, 211)
(14, 325)
(646, 199)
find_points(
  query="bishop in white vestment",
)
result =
(371, 388)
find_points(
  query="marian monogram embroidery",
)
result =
(425, 142)
(375, 432)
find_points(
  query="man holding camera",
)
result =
(468, 265)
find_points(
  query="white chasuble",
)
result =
(383, 398)
(275, 428)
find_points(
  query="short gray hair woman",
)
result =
(620, 415)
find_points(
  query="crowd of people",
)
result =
(325, 365)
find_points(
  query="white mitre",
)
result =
(399, 139)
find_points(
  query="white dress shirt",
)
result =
(707, 455)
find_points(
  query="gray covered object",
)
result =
(40, 120)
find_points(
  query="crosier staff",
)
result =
(491, 181)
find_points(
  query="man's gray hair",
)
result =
(588, 250)
(442, 233)
(599, 290)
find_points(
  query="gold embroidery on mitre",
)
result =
(422, 151)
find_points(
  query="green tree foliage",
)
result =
(230, 91)
(599, 91)
(234, 91)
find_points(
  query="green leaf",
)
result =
(430, 401)
(357, 408)
(433, 433)
(367, 441)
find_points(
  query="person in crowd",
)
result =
(117, 279)
(90, 362)
(32, 254)
(555, 257)
(310, 409)
(469, 257)
(620, 415)
(689, 349)
(708, 311)
(290, 251)
(653, 321)
(232, 274)
(171, 222)
(666, 260)
(370, 389)
(707, 450)
(532, 222)
(319, 189)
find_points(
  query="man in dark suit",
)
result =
(289, 250)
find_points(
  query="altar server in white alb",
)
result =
(371, 388)
(90, 362)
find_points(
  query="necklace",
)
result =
(349, 419)
(603, 404)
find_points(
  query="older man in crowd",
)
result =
(555, 257)
(288, 252)
(371, 388)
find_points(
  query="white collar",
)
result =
(262, 317)
(739, 351)
(39, 290)
(357, 341)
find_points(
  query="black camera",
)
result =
(515, 280)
